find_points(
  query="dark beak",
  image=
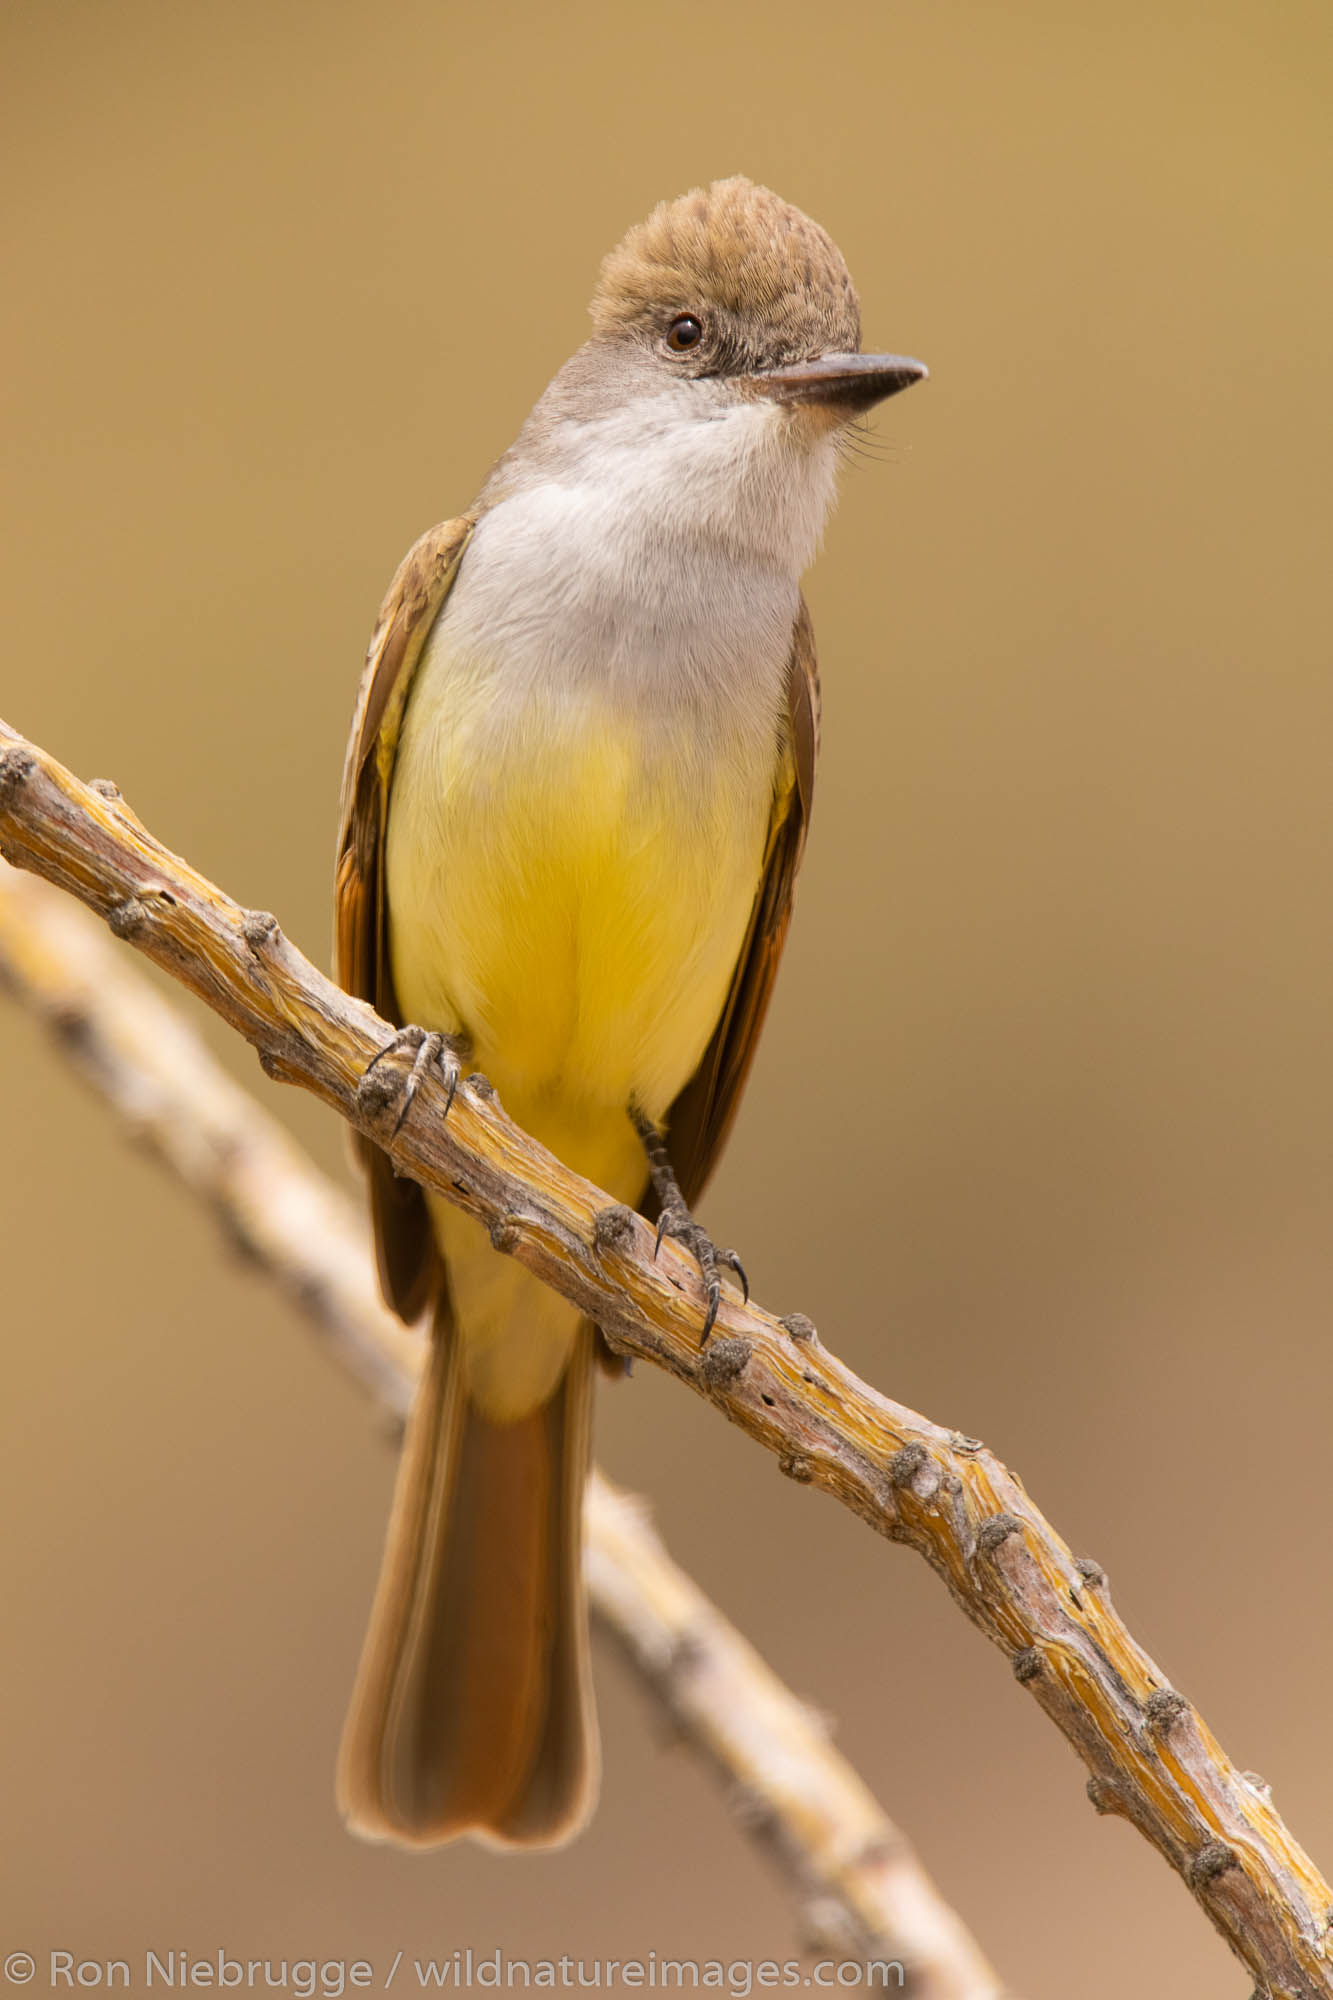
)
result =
(841, 382)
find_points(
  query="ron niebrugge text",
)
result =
(331, 1978)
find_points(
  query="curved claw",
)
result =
(733, 1263)
(409, 1092)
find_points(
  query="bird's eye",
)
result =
(684, 333)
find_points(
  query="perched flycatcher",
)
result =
(574, 804)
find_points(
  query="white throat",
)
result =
(655, 551)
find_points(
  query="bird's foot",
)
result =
(674, 1220)
(677, 1222)
(428, 1050)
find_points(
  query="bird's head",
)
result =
(733, 287)
(723, 372)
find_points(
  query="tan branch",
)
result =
(1151, 1757)
(861, 1890)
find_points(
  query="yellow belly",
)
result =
(571, 889)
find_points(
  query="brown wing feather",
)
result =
(702, 1115)
(405, 1248)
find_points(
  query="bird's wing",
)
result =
(403, 1241)
(701, 1117)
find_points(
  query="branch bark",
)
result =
(859, 1889)
(1150, 1755)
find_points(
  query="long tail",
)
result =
(472, 1710)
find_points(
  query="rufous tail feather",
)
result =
(472, 1711)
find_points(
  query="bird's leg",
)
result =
(428, 1049)
(674, 1219)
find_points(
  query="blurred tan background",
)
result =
(1040, 1133)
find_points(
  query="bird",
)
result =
(574, 804)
